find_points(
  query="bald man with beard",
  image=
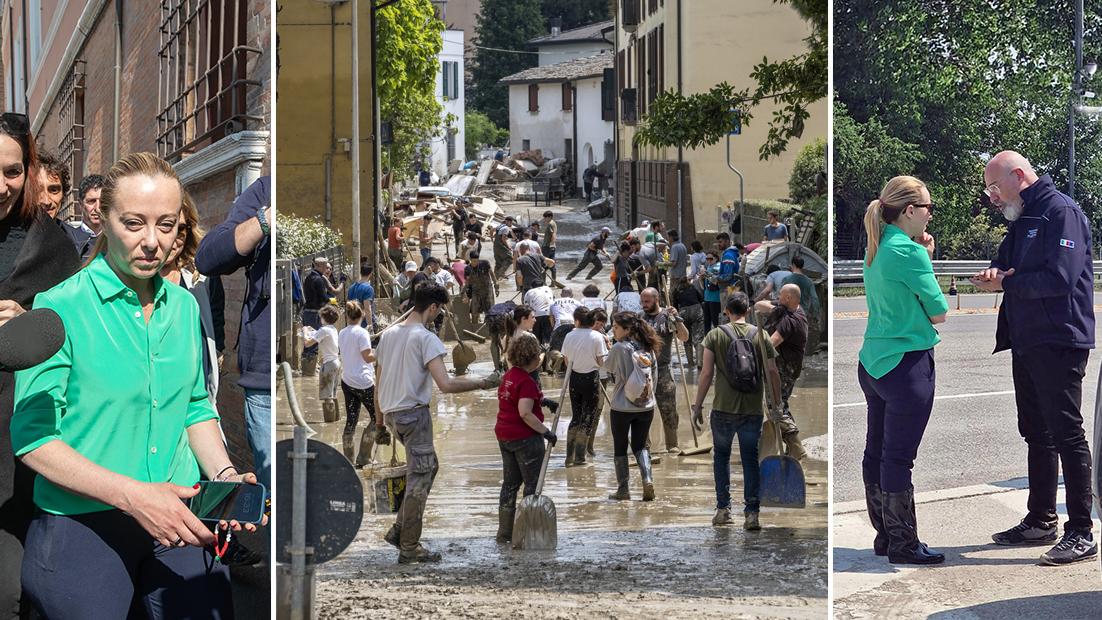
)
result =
(1047, 322)
(787, 328)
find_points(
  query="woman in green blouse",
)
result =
(118, 425)
(896, 369)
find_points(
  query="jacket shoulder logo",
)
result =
(1031, 233)
(1067, 243)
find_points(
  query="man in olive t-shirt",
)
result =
(735, 413)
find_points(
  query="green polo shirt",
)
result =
(902, 294)
(119, 391)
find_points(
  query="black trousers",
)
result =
(542, 329)
(899, 406)
(585, 400)
(550, 253)
(1048, 390)
(520, 461)
(588, 258)
(353, 399)
(630, 428)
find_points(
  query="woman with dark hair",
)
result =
(583, 351)
(119, 447)
(520, 323)
(632, 362)
(709, 276)
(35, 255)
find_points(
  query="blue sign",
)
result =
(736, 124)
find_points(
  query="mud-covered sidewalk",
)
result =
(614, 559)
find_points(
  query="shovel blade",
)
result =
(536, 527)
(782, 483)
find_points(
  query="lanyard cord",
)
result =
(220, 549)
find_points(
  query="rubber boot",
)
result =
(642, 457)
(874, 502)
(310, 366)
(506, 515)
(349, 445)
(571, 439)
(580, 443)
(622, 471)
(329, 410)
(393, 536)
(589, 443)
(367, 443)
(795, 447)
(900, 523)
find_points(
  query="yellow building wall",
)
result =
(314, 100)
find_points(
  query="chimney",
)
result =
(556, 26)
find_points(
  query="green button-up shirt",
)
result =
(119, 391)
(902, 294)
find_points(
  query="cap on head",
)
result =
(411, 266)
(606, 229)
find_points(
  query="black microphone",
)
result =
(30, 339)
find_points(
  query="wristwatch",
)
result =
(262, 217)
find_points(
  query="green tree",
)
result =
(808, 171)
(502, 25)
(978, 241)
(480, 131)
(575, 13)
(410, 38)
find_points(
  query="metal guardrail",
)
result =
(849, 272)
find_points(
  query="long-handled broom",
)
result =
(536, 526)
(697, 448)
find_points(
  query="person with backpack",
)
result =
(631, 362)
(733, 349)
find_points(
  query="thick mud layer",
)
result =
(614, 559)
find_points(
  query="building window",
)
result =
(533, 98)
(526, 145)
(567, 97)
(450, 74)
(203, 86)
(569, 153)
(451, 144)
(641, 74)
(70, 120)
(445, 74)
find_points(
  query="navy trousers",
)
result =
(899, 406)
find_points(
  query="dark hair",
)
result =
(625, 246)
(591, 290)
(473, 255)
(674, 235)
(639, 330)
(427, 216)
(549, 214)
(772, 268)
(354, 311)
(635, 242)
(27, 209)
(723, 235)
(523, 351)
(428, 293)
(741, 247)
(471, 233)
(599, 315)
(655, 224)
(714, 254)
(512, 321)
(774, 213)
(432, 260)
(584, 316)
(738, 303)
(365, 270)
(88, 183)
(53, 165)
(329, 313)
(798, 262)
(697, 246)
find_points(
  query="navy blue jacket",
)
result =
(218, 256)
(1050, 297)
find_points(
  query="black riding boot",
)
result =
(904, 547)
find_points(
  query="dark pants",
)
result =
(1048, 388)
(542, 329)
(588, 258)
(711, 316)
(426, 254)
(103, 564)
(587, 189)
(559, 335)
(585, 400)
(521, 460)
(725, 427)
(630, 428)
(353, 399)
(899, 406)
(310, 318)
(550, 253)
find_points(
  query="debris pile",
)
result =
(513, 178)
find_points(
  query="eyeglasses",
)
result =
(993, 188)
(15, 124)
(929, 206)
(709, 258)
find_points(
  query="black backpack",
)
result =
(742, 367)
(495, 316)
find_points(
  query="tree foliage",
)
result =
(480, 131)
(575, 13)
(703, 119)
(303, 236)
(979, 240)
(505, 25)
(960, 80)
(410, 38)
(805, 183)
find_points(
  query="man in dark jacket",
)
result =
(1047, 321)
(243, 240)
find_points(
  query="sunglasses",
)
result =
(929, 206)
(15, 124)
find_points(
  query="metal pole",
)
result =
(1077, 88)
(741, 203)
(356, 133)
(298, 525)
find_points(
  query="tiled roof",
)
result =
(590, 32)
(579, 68)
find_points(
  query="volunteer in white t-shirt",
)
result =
(409, 359)
(584, 351)
(562, 309)
(540, 299)
(330, 370)
(358, 385)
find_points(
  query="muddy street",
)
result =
(614, 559)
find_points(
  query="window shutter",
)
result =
(533, 97)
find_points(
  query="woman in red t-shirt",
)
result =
(394, 241)
(520, 431)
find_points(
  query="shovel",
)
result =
(536, 526)
(463, 354)
(782, 477)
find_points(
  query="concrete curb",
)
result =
(943, 495)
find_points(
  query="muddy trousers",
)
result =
(694, 322)
(520, 460)
(899, 406)
(1048, 388)
(665, 392)
(747, 428)
(104, 565)
(630, 429)
(503, 259)
(588, 258)
(585, 401)
(413, 427)
(789, 372)
(353, 399)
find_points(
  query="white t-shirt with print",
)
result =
(562, 310)
(540, 299)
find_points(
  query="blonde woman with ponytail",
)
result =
(896, 369)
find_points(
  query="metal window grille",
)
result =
(70, 120)
(203, 85)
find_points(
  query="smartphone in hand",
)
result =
(228, 501)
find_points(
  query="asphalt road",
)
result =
(972, 437)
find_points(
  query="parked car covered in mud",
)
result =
(755, 267)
